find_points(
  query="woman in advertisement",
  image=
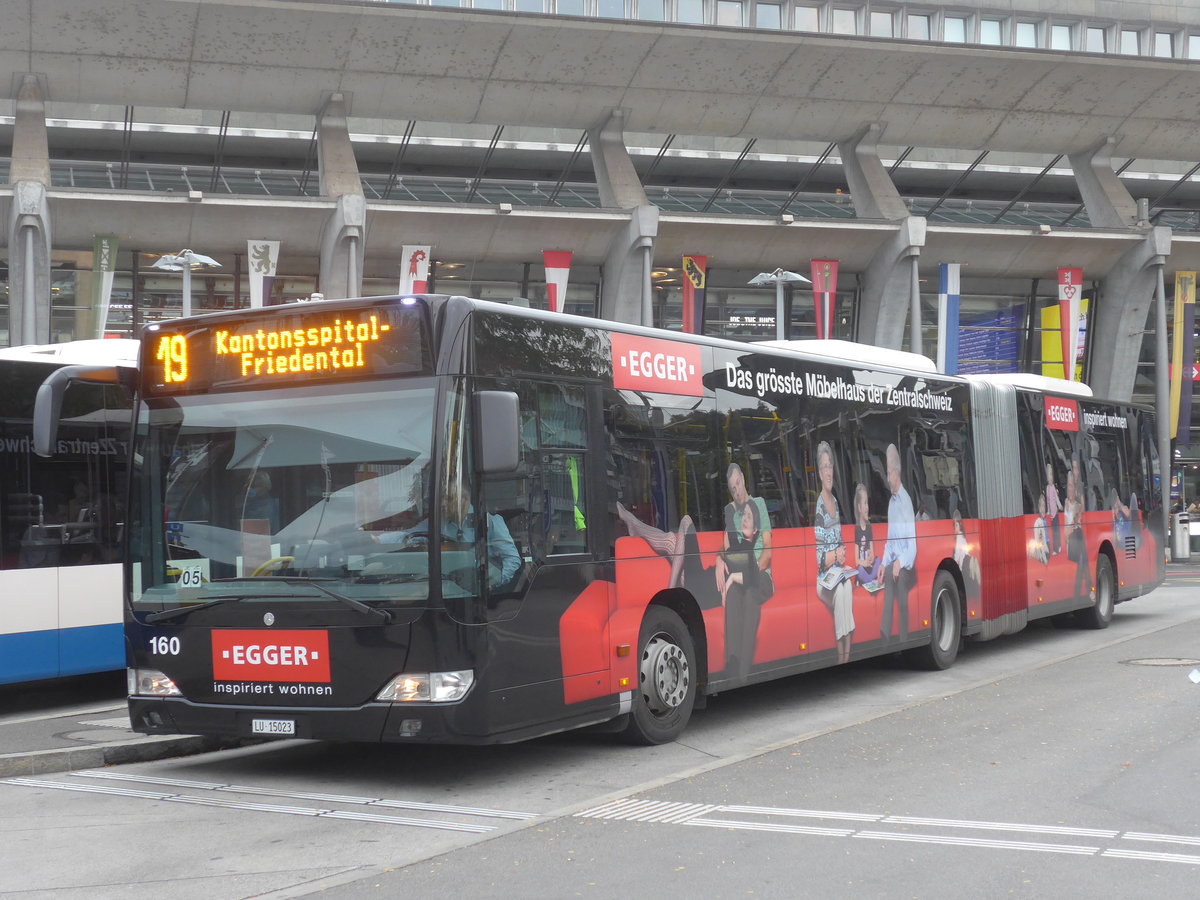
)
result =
(835, 586)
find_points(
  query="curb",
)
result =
(147, 749)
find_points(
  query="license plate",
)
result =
(272, 726)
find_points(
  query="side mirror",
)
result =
(497, 432)
(47, 406)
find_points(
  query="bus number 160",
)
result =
(164, 646)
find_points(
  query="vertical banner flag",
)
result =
(695, 279)
(263, 259)
(1070, 289)
(948, 302)
(1183, 356)
(558, 269)
(104, 266)
(824, 286)
(414, 271)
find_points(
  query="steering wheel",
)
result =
(275, 563)
(415, 540)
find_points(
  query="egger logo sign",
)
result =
(1062, 415)
(270, 655)
(662, 367)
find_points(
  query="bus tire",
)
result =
(666, 690)
(945, 626)
(1100, 613)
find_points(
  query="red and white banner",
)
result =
(558, 269)
(414, 270)
(656, 366)
(824, 287)
(695, 274)
(270, 655)
(1070, 291)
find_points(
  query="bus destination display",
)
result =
(266, 350)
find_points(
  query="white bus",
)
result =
(61, 518)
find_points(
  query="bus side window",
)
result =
(565, 502)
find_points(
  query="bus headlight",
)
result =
(150, 683)
(428, 687)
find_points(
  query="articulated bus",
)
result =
(61, 518)
(436, 519)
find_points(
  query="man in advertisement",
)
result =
(900, 551)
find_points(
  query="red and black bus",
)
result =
(435, 519)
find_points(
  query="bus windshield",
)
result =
(316, 495)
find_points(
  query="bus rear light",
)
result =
(431, 687)
(150, 683)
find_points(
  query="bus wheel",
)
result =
(666, 691)
(945, 631)
(1100, 613)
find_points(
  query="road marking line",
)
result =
(648, 811)
(766, 826)
(697, 815)
(307, 795)
(1153, 857)
(1163, 838)
(805, 813)
(1003, 826)
(978, 842)
(252, 807)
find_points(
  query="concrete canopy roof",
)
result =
(400, 62)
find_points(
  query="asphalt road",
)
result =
(1049, 763)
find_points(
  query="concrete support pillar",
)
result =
(886, 302)
(342, 241)
(1120, 317)
(344, 233)
(1108, 204)
(871, 189)
(616, 177)
(626, 294)
(29, 242)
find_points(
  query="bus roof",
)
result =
(108, 352)
(853, 352)
(1034, 382)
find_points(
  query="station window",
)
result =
(844, 21)
(768, 15)
(487, 4)
(1164, 43)
(1194, 46)
(533, 6)
(571, 7)
(1026, 34)
(807, 18)
(610, 9)
(690, 12)
(954, 29)
(454, 3)
(651, 10)
(1130, 42)
(991, 31)
(729, 12)
(918, 27)
(1097, 40)
(1060, 37)
(881, 24)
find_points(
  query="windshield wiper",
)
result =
(178, 611)
(374, 612)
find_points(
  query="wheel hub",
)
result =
(665, 675)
